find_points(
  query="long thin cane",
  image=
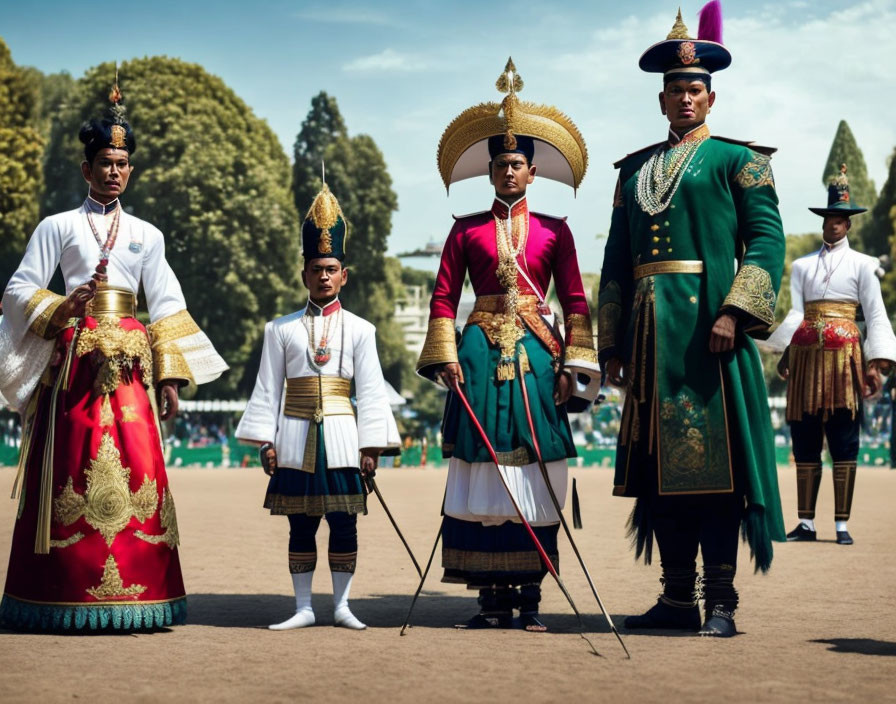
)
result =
(422, 580)
(534, 538)
(371, 483)
(547, 480)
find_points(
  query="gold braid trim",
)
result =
(280, 505)
(169, 362)
(756, 172)
(440, 346)
(752, 292)
(574, 353)
(41, 324)
(308, 394)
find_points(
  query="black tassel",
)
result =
(576, 508)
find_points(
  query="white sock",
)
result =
(342, 615)
(304, 616)
(809, 523)
(840, 526)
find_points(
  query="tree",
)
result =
(357, 175)
(323, 126)
(845, 150)
(882, 227)
(214, 179)
(21, 151)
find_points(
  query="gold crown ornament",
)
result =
(560, 151)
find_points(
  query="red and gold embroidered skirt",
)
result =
(825, 361)
(112, 559)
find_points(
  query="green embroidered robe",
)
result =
(694, 422)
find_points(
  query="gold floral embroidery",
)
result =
(574, 353)
(129, 414)
(578, 331)
(752, 292)
(119, 351)
(687, 448)
(756, 172)
(71, 540)
(107, 417)
(112, 586)
(108, 503)
(169, 523)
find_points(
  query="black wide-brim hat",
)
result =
(843, 209)
(671, 54)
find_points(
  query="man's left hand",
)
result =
(168, 400)
(722, 337)
(369, 461)
(562, 388)
(873, 381)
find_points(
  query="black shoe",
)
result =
(801, 533)
(719, 624)
(844, 538)
(492, 619)
(665, 616)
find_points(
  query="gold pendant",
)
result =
(318, 415)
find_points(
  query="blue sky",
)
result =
(402, 71)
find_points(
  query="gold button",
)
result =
(656, 239)
(655, 252)
(654, 227)
(669, 250)
(666, 223)
(693, 299)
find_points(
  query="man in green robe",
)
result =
(692, 264)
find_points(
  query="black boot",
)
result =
(676, 609)
(720, 601)
(496, 608)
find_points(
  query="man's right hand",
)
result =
(449, 373)
(615, 369)
(75, 304)
(784, 364)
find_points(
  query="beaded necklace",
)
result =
(660, 177)
(105, 247)
(321, 353)
(509, 333)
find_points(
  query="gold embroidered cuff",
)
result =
(170, 365)
(169, 362)
(752, 293)
(171, 328)
(44, 325)
(579, 332)
(580, 354)
(609, 315)
(440, 346)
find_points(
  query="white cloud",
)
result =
(388, 60)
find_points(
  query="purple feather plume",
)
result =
(710, 27)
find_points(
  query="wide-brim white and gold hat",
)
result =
(559, 149)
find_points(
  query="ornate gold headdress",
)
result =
(560, 151)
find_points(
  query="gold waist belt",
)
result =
(682, 266)
(118, 302)
(306, 395)
(817, 310)
(496, 304)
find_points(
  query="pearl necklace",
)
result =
(660, 177)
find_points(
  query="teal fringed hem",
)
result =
(26, 616)
(755, 531)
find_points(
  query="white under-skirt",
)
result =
(474, 492)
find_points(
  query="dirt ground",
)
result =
(820, 627)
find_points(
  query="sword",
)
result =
(547, 480)
(370, 484)
(534, 538)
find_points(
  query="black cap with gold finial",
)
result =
(110, 132)
(324, 230)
